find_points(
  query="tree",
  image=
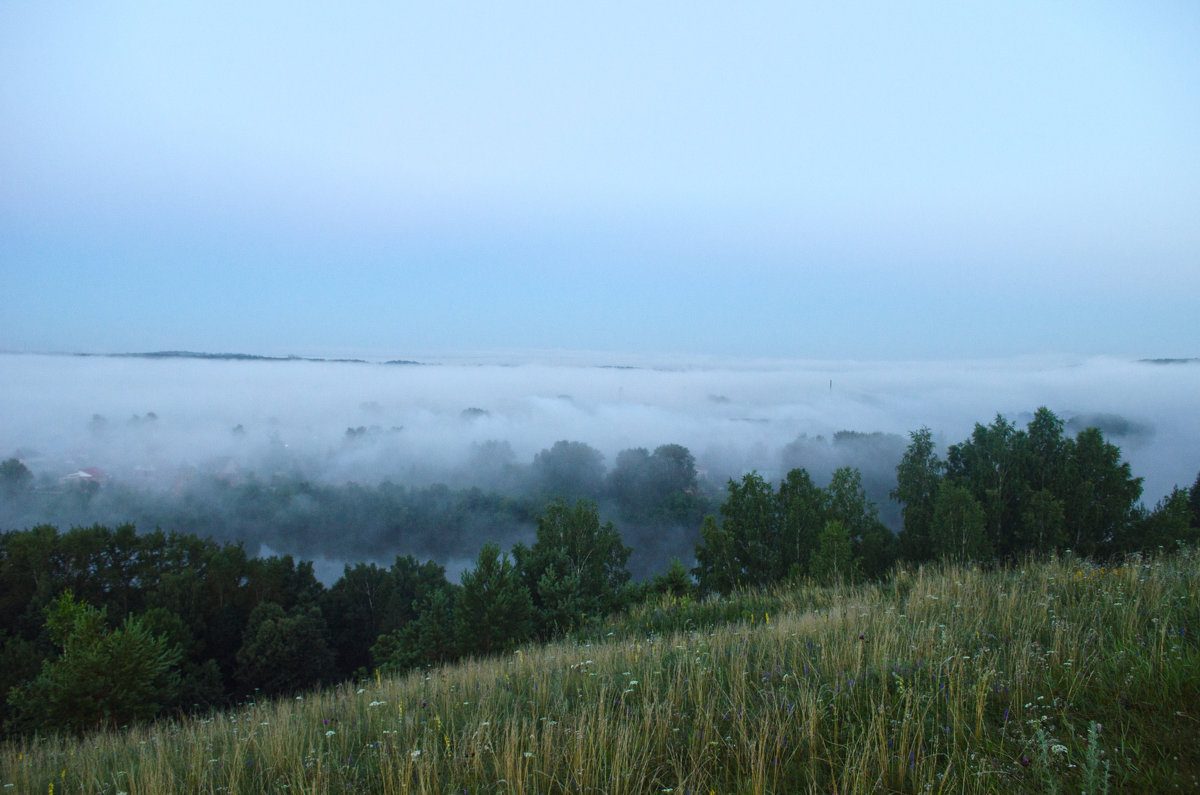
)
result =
(575, 571)
(833, 561)
(629, 483)
(1100, 500)
(748, 516)
(494, 612)
(101, 678)
(15, 479)
(284, 652)
(958, 530)
(988, 465)
(675, 581)
(872, 543)
(1042, 516)
(717, 569)
(1045, 452)
(1169, 524)
(658, 488)
(918, 477)
(355, 609)
(801, 508)
(1194, 502)
(429, 640)
(672, 469)
(569, 469)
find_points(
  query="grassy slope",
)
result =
(1058, 677)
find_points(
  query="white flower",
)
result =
(415, 753)
(330, 733)
(1058, 749)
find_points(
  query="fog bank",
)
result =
(156, 422)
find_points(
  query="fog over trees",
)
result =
(355, 461)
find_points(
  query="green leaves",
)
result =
(283, 652)
(494, 612)
(575, 571)
(101, 678)
(765, 537)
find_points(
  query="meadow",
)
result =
(1059, 675)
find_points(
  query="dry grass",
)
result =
(1061, 676)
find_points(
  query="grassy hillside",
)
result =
(1062, 676)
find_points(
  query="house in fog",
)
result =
(86, 475)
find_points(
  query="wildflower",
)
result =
(415, 753)
(330, 733)
(1058, 748)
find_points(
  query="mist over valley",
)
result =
(362, 460)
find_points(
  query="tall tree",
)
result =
(802, 509)
(1166, 526)
(834, 561)
(959, 529)
(988, 465)
(918, 477)
(1194, 502)
(1100, 500)
(575, 571)
(748, 516)
(569, 469)
(494, 612)
(717, 569)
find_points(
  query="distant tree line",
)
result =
(104, 626)
(656, 496)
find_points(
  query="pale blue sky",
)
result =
(868, 180)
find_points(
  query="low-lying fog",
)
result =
(155, 422)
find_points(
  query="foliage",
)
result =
(569, 469)
(1039, 490)
(494, 611)
(833, 560)
(101, 677)
(428, 640)
(575, 571)
(918, 477)
(284, 652)
(1060, 675)
(958, 529)
(766, 536)
(655, 488)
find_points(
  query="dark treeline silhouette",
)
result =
(104, 626)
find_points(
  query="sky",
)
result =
(863, 180)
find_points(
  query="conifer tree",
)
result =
(101, 678)
(494, 612)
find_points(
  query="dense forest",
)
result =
(105, 625)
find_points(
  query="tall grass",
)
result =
(1059, 676)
